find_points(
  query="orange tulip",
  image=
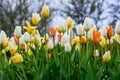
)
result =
(22, 47)
(59, 37)
(109, 31)
(52, 31)
(16, 40)
(96, 37)
(83, 39)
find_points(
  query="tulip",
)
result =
(59, 37)
(109, 31)
(87, 24)
(50, 44)
(117, 27)
(45, 11)
(5, 42)
(70, 23)
(79, 29)
(83, 39)
(17, 58)
(3, 36)
(103, 32)
(37, 40)
(35, 18)
(96, 53)
(106, 57)
(17, 31)
(67, 47)
(13, 50)
(52, 31)
(16, 40)
(62, 27)
(26, 37)
(96, 37)
(103, 42)
(65, 39)
(0, 38)
(30, 29)
(90, 34)
(21, 40)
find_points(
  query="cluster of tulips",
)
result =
(88, 54)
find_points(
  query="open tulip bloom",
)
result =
(91, 54)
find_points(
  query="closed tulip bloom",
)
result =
(79, 29)
(87, 24)
(0, 38)
(17, 58)
(65, 39)
(21, 40)
(17, 31)
(67, 47)
(106, 56)
(70, 23)
(50, 44)
(96, 53)
(109, 31)
(117, 27)
(103, 31)
(90, 34)
(96, 37)
(52, 31)
(59, 37)
(26, 37)
(45, 11)
(3, 36)
(83, 39)
(62, 27)
(103, 42)
(37, 40)
(35, 18)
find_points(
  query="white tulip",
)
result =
(67, 47)
(50, 44)
(104, 32)
(96, 53)
(0, 38)
(3, 36)
(26, 37)
(62, 26)
(17, 31)
(65, 39)
(117, 27)
(90, 34)
(79, 29)
(12, 40)
(21, 40)
(87, 24)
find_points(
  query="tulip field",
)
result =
(61, 54)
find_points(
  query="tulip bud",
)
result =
(26, 37)
(87, 24)
(62, 27)
(106, 57)
(3, 36)
(52, 31)
(103, 32)
(50, 44)
(70, 23)
(17, 31)
(79, 29)
(65, 39)
(103, 42)
(83, 39)
(96, 53)
(21, 40)
(37, 40)
(90, 34)
(67, 47)
(35, 18)
(45, 11)
(117, 27)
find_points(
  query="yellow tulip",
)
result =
(13, 50)
(106, 57)
(30, 29)
(5, 42)
(70, 23)
(17, 58)
(35, 18)
(45, 11)
(103, 42)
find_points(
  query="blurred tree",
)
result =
(79, 9)
(16, 12)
